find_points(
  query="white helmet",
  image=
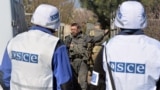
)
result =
(46, 16)
(131, 15)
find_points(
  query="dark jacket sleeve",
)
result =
(98, 68)
(158, 85)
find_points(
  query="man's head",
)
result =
(131, 15)
(75, 29)
(46, 16)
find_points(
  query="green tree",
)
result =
(105, 10)
(102, 8)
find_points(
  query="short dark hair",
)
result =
(76, 24)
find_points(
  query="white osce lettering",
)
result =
(124, 67)
(130, 68)
(140, 68)
(120, 67)
(26, 57)
(53, 17)
(34, 58)
(19, 56)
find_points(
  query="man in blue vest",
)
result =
(131, 59)
(36, 59)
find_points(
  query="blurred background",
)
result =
(88, 12)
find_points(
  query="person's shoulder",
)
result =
(151, 40)
(60, 43)
(84, 36)
(19, 36)
(67, 36)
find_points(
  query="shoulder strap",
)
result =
(110, 72)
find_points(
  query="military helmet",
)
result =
(46, 16)
(131, 15)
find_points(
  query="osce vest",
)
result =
(31, 55)
(134, 62)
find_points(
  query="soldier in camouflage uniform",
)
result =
(77, 47)
(95, 47)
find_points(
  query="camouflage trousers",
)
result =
(81, 71)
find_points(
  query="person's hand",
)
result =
(71, 45)
(106, 31)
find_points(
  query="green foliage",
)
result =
(105, 9)
(102, 8)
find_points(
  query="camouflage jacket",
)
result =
(79, 45)
(78, 48)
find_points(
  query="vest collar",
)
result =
(131, 32)
(41, 29)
